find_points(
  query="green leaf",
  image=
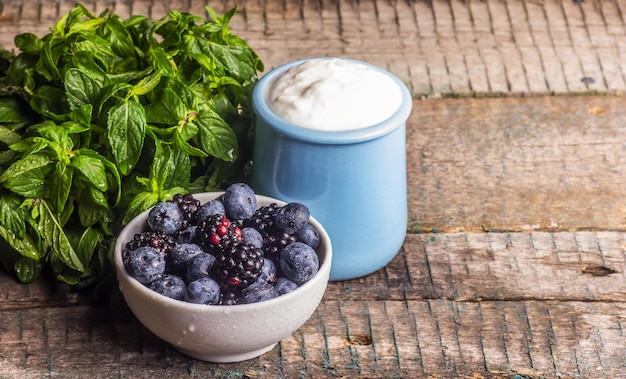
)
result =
(146, 85)
(52, 232)
(109, 167)
(27, 177)
(7, 136)
(127, 127)
(28, 43)
(141, 202)
(27, 269)
(86, 243)
(91, 214)
(114, 31)
(12, 216)
(93, 169)
(80, 88)
(11, 110)
(216, 138)
(60, 186)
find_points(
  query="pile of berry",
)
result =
(225, 251)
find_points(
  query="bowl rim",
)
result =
(322, 273)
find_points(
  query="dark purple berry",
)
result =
(252, 236)
(263, 219)
(146, 265)
(238, 266)
(291, 217)
(284, 285)
(169, 285)
(299, 262)
(213, 207)
(189, 206)
(162, 243)
(258, 291)
(203, 291)
(182, 254)
(216, 233)
(239, 201)
(199, 267)
(165, 217)
(268, 272)
(308, 235)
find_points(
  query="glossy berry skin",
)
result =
(238, 266)
(284, 285)
(182, 254)
(269, 273)
(203, 291)
(172, 286)
(161, 242)
(165, 217)
(213, 207)
(199, 267)
(188, 234)
(252, 236)
(299, 262)
(145, 264)
(308, 235)
(259, 291)
(189, 207)
(239, 201)
(292, 217)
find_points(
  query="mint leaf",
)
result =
(216, 138)
(127, 127)
(52, 232)
(80, 88)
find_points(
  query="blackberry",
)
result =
(275, 243)
(189, 205)
(238, 266)
(161, 242)
(263, 219)
(217, 232)
(228, 298)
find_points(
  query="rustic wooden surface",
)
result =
(513, 266)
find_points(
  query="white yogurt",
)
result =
(333, 95)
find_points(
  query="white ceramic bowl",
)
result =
(222, 333)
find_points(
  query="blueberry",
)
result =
(292, 217)
(213, 207)
(256, 292)
(165, 217)
(182, 253)
(203, 291)
(252, 236)
(187, 235)
(309, 235)
(199, 267)
(268, 271)
(239, 201)
(145, 264)
(169, 285)
(299, 262)
(284, 285)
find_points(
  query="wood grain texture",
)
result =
(438, 48)
(514, 261)
(546, 163)
(449, 305)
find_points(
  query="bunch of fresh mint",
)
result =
(102, 118)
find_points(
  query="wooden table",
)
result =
(513, 264)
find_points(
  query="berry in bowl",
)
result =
(223, 276)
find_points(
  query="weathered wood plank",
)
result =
(544, 47)
(412, 338)
(543, 163)
(483, 304)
